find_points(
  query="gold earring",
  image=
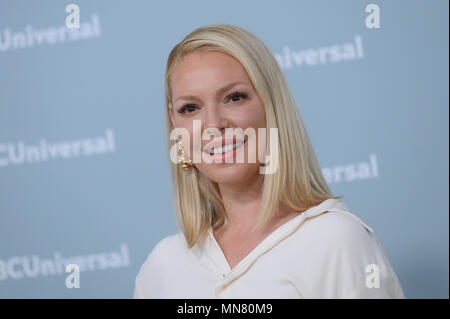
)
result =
(183, 161)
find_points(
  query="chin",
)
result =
(231, 173)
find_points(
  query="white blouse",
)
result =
(325, 252)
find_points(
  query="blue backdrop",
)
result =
(84, 170)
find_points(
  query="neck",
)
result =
(242, 203)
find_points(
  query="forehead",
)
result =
(203, 71)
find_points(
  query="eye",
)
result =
(238, 95)
(189, 108)
(235, 97)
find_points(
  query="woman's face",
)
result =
(202, 89)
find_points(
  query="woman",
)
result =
(247, 232)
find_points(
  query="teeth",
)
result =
(226, 148)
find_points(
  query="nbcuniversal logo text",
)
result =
(316, 56)
(32, 36)
(20, 267)
(352, 172)
(19, 153)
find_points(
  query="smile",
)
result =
(224, 149)
(223, 152)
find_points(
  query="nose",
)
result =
(214, 119)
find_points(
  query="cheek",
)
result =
(259, 124)
(252, 115)
(256, 115)
(255, 119)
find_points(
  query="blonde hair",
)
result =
(298, 182)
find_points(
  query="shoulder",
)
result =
(335, 241)
(149, 280)
(166, 244)
(164, 249)
(339, 249)
(335, 228)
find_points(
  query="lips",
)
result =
(220, 142)
(228, 153)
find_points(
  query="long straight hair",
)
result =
(298, 183)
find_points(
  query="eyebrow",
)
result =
(219, 91)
